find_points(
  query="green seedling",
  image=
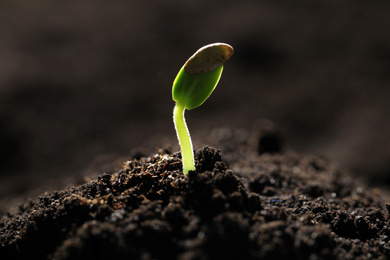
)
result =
(193, 85)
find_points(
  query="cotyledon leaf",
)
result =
(200, 75)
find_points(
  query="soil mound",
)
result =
(269, 206)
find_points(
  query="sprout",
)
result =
(193, 85)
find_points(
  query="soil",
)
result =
(268, 203)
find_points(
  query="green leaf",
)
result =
(192, 90)
(200, 75)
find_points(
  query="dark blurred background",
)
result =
(84, 83)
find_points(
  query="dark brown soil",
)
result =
(278, 205)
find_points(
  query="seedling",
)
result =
(192, 86)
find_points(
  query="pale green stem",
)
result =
(187, 152)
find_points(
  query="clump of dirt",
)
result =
(279, 205)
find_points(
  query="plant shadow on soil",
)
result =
(266, 203)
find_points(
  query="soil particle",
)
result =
(270, 206)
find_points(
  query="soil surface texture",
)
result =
(268, 203)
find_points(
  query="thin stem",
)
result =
(187, 152)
